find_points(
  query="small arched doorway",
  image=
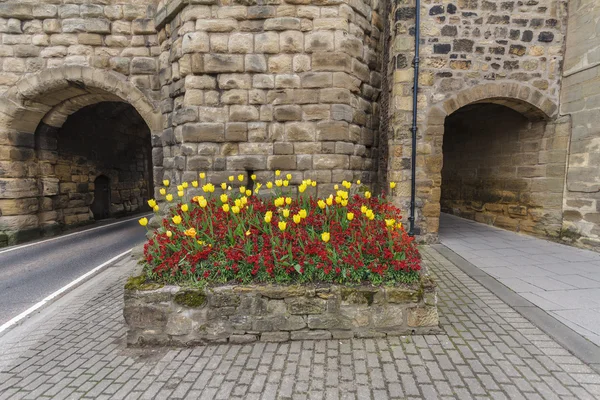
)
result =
(101, 205)
(503, 169)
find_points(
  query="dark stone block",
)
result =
(546, 37)
(520, 21)
(514, 34)
(440, 48)
(498, 19)
(536, 23)
(451, 9)
(436, 10)
(497, 50)
(527, 36)
(517, 50)
(510, 65)
(405, 13)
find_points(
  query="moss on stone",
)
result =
(140, 283)
(190, 298)
(357, 296)
(570, 234)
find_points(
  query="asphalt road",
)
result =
(29, 274)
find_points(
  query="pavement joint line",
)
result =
(60, 292)
(72, 234)
(572, 341)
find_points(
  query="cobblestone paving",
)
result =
(488, 352)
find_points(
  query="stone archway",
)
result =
(530, 103)
(29, 112)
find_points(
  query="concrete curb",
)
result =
(579, 346)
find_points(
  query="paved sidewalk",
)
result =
(75, 349)
(562, 280)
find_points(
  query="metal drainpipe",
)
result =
(413, 186)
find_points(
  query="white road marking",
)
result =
(74, 233)
(60, 292)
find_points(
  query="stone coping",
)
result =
(179, 316)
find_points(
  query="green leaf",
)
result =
(298, 268)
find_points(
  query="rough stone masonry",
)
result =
(318, 88)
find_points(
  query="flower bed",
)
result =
(226, 235)
(239, 264)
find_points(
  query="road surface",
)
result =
(30, 273)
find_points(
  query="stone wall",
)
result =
(502, 169)
(292, 85)
(472, 51)
(240, 314)
(580, 98)
(107, 139)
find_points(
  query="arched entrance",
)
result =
(63, 128)
(492, 133)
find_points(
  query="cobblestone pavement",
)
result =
(75, 349)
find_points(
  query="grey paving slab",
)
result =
(553, 276)
(488, 350)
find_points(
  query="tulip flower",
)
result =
(202, 175)
(155, 208)
(325, 236)
(166, 182)
(286, 212)
(169, 197)
(151, 203)
(392, 185)
(176, 220)
(253, 177)
(321, 204)
(184, 208)
(226, 207)
(180, 193)
(277, 173)
(269, 185)
(297, 218)
(367, 195)
(240, 177)
(191, 232)
(302, 213)
(169, 234)
(143, 221)
(231, 178)
(185, 185)
(282, 225)
(350, 216)
(235, 210)
(288, 177)
(195, 184)
(223, 198)
(268, 216)
(163, 191)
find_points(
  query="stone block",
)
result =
(246, 162)
(203, 132)
(282, 162)
(275, 336)
(287, 113)
(266, 42)
(423, 316)
(195, 42)
(215, 63)
(282, 24)
(291, 42)
(311, 335)
(305, 305)
(234, 81)
(333, 130)
(331, 61)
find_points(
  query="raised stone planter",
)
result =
(172, 315)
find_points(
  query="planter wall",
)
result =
(172, 315)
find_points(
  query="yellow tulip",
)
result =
(184, 208)
(286, 183)
(288, 200)
(231, 178)
(314, 184)
(226, 207)
(244, 200)
(151, 203)
(302, 213)
(279, 202)
(277, 173)
(278, 183)
(370, 215)
(248, 192)
(269, 185)
(268, 216)
(180, 193)
(302, 188)
(191, 232)
(329, 201)
(166, 182)
(253, 177)
(363, 209)
(344, 203)
(155, 208)
(325, 236)
(336, 187)
(282, 225)
(195, 184)
(367, 195)
(208, 188)
(176, 220)
(338, 199)
(163, 191)
(169, 234)
(390, 222)
(321, 204)
(399, 225)
(286, 212)
(288, 177)
(224, 198)
(350, 216)
(202, 175)
(248, 233)
(240, 177)
(202, 202)
(235, 210)
(297, 218)
(358, 182)
(180, 187)
(223, 186)
(143, 221)
(169, 197)
(392, 185)
(185, 185)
